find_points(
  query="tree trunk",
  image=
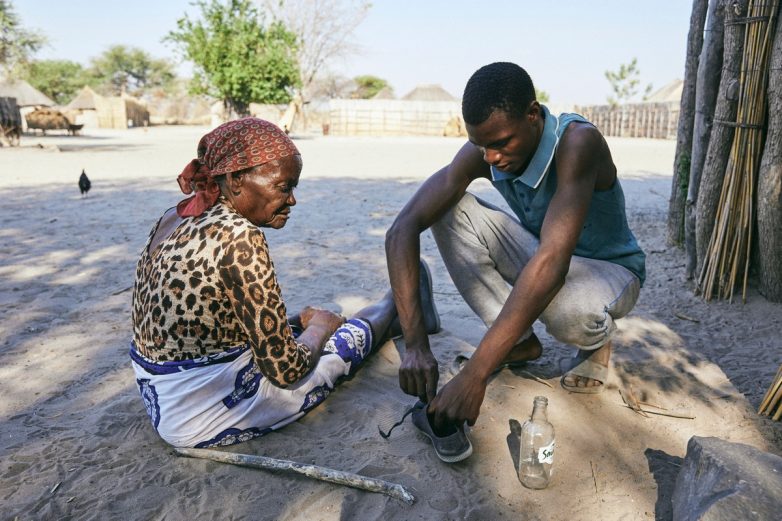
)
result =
(722, 134)
(709, 68)
(769, 202)
(681, 163)
(236, 109)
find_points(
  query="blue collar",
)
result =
(544, 154)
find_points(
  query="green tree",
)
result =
(625, 82)
(237, 56)
(542, 96)
(123, 69)
(58, 79)
(17, 45)
(367, 86)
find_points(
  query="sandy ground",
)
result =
(75, 441)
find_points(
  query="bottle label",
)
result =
(546, 454)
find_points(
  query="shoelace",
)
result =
(386, 435)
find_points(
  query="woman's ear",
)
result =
(234, 182)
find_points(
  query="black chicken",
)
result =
(84, 184)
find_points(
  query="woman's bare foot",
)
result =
(600, 356)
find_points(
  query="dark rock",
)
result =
(724, 481)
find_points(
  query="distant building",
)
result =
(429, 93)
(95, 111)
(384, 93)
(26, 95)
(670, 93)
(28, 98)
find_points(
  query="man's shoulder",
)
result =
(582, 144)
(579, 135)
(583, 149)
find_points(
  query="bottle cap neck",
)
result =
(539, 407)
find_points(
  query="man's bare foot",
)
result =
(600, 356)
(529, 349)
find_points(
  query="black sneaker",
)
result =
(450, 448)
(431, 317)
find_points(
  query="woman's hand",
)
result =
(319, 325)
(320, 318)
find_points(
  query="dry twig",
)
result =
(772, 401)
(685, 317)
(628, 396)
(728, 251)
(670, 414)
(540, 380)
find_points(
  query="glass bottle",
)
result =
(536, 455)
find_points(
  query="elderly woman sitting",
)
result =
(215, 357)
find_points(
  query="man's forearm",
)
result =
(403, 250)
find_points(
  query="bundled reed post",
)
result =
(728, 253)
(772, 402)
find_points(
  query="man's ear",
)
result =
(534, 110)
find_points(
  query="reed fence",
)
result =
(644, 120)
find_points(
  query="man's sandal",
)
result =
(585, 368)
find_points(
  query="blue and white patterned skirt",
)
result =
(224, 399)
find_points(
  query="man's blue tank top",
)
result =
(606, 235)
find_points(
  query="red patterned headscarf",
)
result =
(231, 147)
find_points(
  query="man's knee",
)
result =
(583, 328)
(455, 218)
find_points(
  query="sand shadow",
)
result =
(514, 441)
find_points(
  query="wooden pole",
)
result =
(681, 162)
(769, 197)
(721, 137)
(313, 471)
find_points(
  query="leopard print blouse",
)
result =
(210, 287)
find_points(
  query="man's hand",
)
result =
(458, 401)
(418, 374)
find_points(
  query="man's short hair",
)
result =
(498, 86)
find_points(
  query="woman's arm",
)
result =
(247, 273)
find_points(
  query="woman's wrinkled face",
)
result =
(265, 196)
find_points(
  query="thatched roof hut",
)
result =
(428, 93)
(385, 93)
(93, 110)
(670, 92)
(26, 95)
(84, 100)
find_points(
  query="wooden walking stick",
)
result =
(313, 471)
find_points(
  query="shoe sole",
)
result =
(447, 459)
(452, 459)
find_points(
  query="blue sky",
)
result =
(565, 45)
